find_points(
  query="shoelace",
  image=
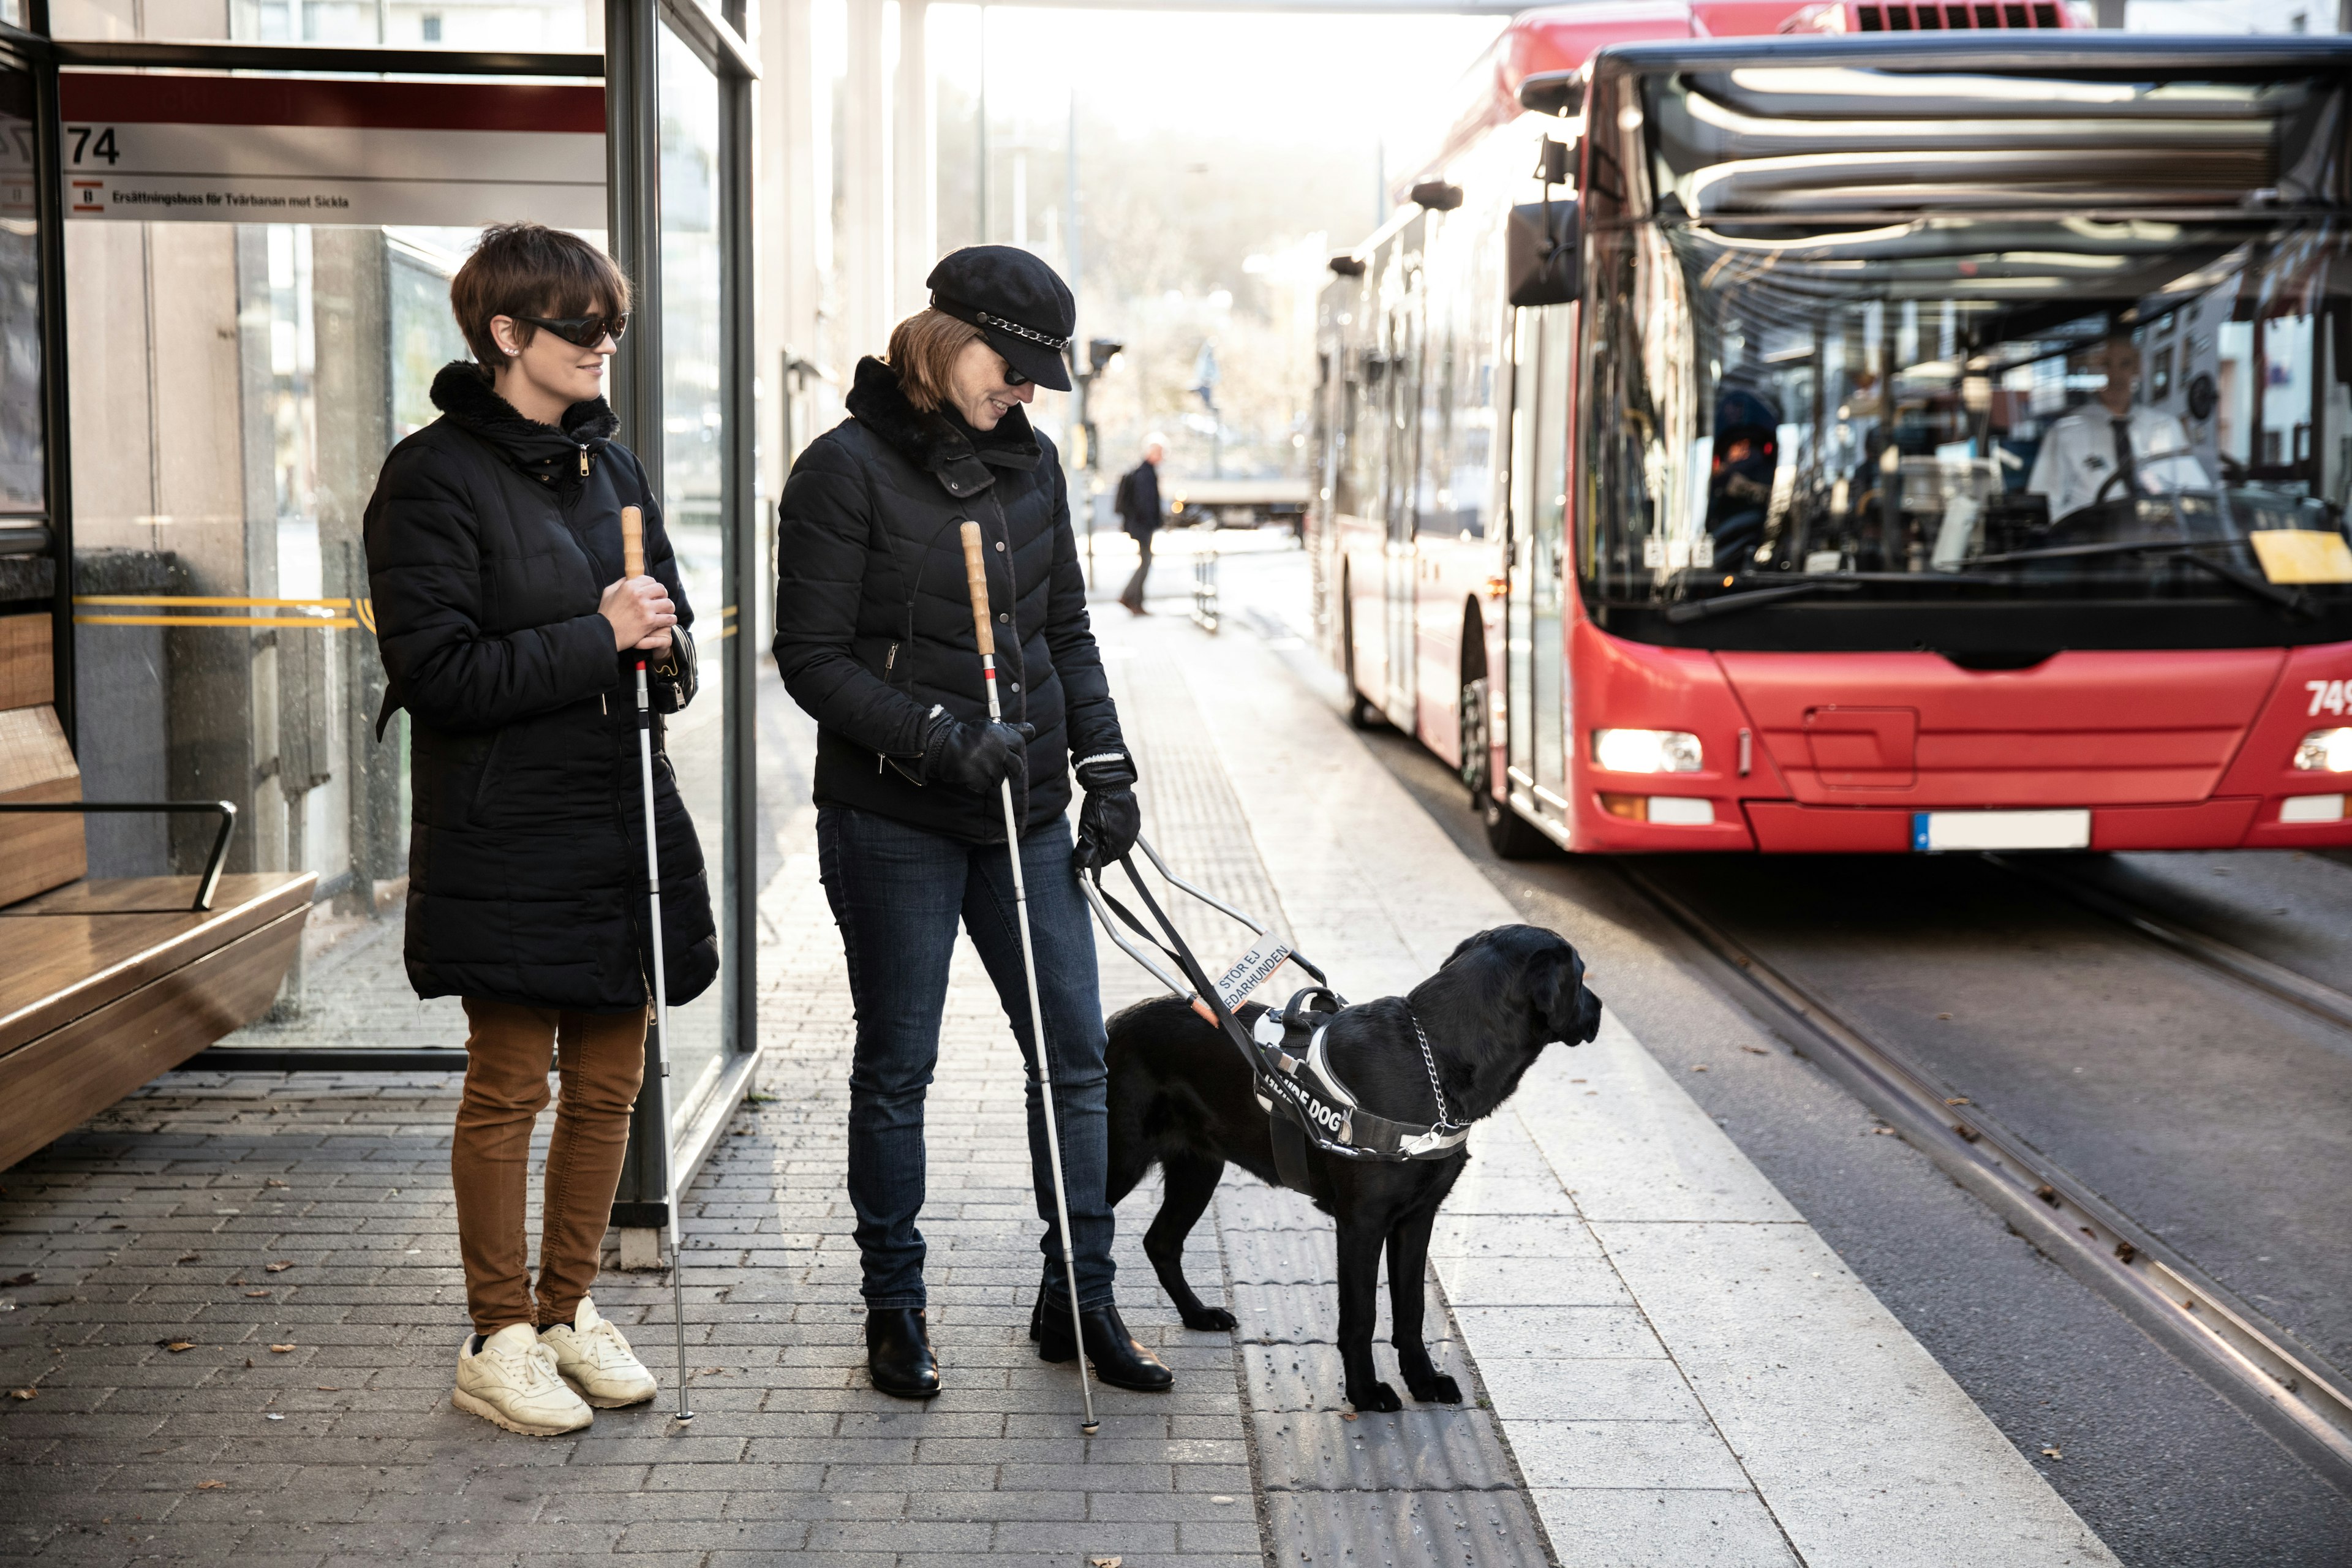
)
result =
(540, 1363)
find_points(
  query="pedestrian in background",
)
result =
(1136, 501)
(873, 637)
(511, 636)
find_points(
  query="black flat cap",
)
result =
(1019, 306)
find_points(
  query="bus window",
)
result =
(1458, 400)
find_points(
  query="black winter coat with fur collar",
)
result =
(873, 619)
(491, 540)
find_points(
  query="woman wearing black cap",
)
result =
(873, 637)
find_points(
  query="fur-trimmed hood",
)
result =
(941, 443)
(463, 390)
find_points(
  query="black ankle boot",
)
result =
(1118, 1360)
(899, 1353)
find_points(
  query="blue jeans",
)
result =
(898, 893)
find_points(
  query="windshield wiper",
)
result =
(2296, 602)
(2088, 551)
(2293, 601)
(1732, 604)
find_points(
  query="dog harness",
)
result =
(1307, 1104)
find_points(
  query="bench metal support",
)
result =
(207, 884)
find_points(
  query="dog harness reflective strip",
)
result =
(1288, 1058)
(1298, 1077)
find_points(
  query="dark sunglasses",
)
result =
(1013, 377)
(582, 331)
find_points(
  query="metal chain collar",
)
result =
(1018, 330)
(1429, 1059)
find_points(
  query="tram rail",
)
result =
(2252, 1361)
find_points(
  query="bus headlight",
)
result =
(1667, 752)
(2325, 752)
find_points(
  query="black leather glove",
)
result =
(674, 679)
(978, 757)
(1110, 818)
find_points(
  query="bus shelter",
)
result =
(227, 233)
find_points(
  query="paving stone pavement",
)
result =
(234, 1214)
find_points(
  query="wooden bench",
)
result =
(108, 983)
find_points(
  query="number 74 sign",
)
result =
(304, 150)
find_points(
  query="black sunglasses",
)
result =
(582, 331)
(1013, 377)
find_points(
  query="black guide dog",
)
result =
(1181, 1099)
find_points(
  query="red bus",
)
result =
(1859, 443)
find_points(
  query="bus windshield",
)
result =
(1969, 411)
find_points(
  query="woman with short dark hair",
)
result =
(511, 634)
(873, 637)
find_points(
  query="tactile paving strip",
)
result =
(1426, 1485)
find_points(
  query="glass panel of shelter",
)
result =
(24, 488)
(693, 426)
(238, 386)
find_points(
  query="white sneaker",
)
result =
(594, 1359)
(512, 1381)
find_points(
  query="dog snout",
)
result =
(1587, 1016)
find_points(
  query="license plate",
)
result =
(1935, 831)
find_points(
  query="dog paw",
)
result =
(1438, 1390)
(1212, 1320)
(1378, 1400)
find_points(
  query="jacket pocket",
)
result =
(482, 806)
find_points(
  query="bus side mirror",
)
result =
(1559, 93)
(1552, 164)
(1540, 254)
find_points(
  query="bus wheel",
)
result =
(1361, 714)
(1511, 836)
(1477, 741)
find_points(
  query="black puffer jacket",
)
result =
(873, 619)
(491, 540)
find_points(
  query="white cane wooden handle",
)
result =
(633, 542)
(975, 572)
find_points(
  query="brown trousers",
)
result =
(602, 1059)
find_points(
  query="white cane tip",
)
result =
(683, 1416)
(1090, 1427)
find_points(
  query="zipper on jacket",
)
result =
(584, 461)
(888, 659)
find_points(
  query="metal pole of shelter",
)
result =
(633, 206)
(48, 187)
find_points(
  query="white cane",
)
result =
(633, 565)
(975, 567)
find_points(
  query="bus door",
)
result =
(1537, 698)
(1398, 505)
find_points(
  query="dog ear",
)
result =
(1570, 1007)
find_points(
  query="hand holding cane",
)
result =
(633, 565)
(975, 566)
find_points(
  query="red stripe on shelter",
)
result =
(93, 97)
